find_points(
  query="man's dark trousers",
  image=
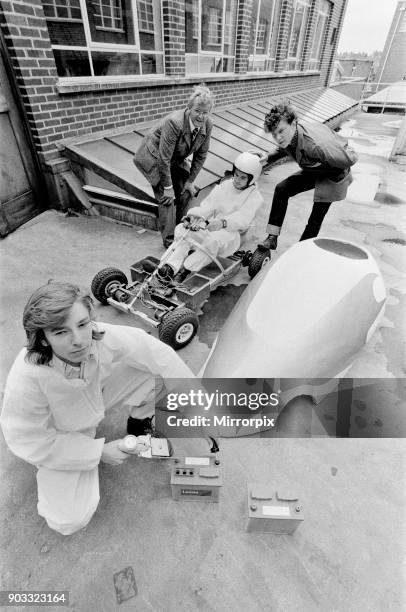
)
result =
(170, 216)
(294, 184)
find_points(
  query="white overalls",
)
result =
(51, 412)
(237, 207)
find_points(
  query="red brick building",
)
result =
(81, 66)
(392, 67)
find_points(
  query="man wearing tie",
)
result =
(162, 158)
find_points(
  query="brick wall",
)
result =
(311, 26)
(334, 28)
(54, 116)
(283, 34)
(392, 68)
(244, 17)
(174, 36)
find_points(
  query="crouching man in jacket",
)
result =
(325, 160)
(162, 158)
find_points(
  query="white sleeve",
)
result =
(207, 207)
(30, 433)
(241, 219)
(138, 349)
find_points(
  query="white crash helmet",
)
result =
(250, 164)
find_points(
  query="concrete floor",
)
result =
(348, 553)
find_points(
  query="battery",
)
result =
(196, 479)
(270, 511)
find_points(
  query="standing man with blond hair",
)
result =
(162, 158)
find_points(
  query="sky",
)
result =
(366, 25)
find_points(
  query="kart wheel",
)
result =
(178, 327)
(106, 282)
(258, 260)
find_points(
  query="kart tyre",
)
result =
(105, 281)
(258, 260)
(178, 327)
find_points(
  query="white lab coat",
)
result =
(238, 208)
(50, 414)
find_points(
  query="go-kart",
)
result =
(171, 309)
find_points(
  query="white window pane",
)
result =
(212, 25)
(110, 63)
(68, 30)
(298, 33)
(265, 19)
(191, 28)
(72, 63)
(149, 24)
(111, 21)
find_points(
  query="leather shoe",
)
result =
(181, 275)
(269, 244)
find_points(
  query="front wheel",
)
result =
(178, 327)
(258, 260)
(106, 282)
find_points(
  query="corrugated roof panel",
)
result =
(237, 143)
(236, 129)
(241, 129)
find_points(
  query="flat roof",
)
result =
(394, 95)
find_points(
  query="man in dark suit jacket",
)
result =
(325, 160)
(162, 158)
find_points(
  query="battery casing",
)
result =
(272, 511)
(196, 479)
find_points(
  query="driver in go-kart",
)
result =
(216, 226)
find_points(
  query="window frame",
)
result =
(53, 3)
(218, 56)
(105, 28)
(315, 60)
(93, 46)
(307, 4)
(273, 30)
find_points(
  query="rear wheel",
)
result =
(258, 260)
(178, 327)
(106, 282)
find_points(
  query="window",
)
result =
(210, 35)
(62, 9)
(263, 35)
(105, 38)
(298, 34)
(146, 16)
(214, 27)
(109, 15)
(320, 34)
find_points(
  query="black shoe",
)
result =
(168, 241)
(140, 427)
(143, 427)
(165, 274)
(269, 244)
(181, 275)
(149, 265)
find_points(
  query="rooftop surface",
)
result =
(394, 95)
(347, 554)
